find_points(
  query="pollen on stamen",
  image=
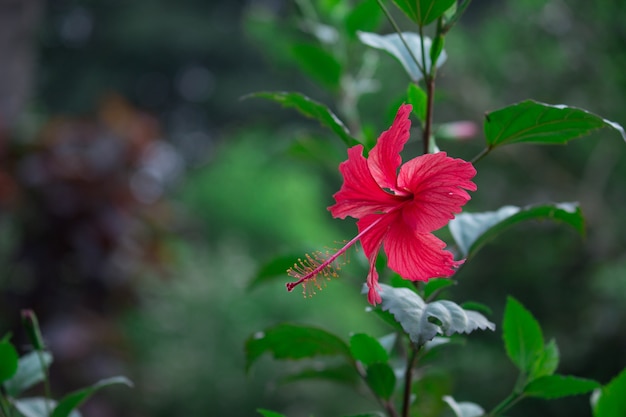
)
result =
(316, 269)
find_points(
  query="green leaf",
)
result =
(436, 48)
(387, 317)
(293, 341)
(367, 349)
(464, 409)
(547, 362)
(612, 401)
(417, 98)
(522, 335)
(268, 413)
(557, 386)
(381, 379)
(9, 360)
(437, 284)
(274, 268)
(343, 374)
(366, 15)
(73, 400)
(310, 108)
(423, 321)
(472, 230)
(395, 280)
(28, 373)
(476, 306)
(318, 64)
(424, 12)
(393, 44)
(534, 122)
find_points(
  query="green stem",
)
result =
(408, 381)
(391, 410)
(428, 122)
(46, 381)
(399, 32)
(386, 404)
(481, 155)
(423, 52)
(4, 407)
(430, 92)
(507, 403)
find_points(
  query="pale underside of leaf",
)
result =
(394, 45)
(471, 230)
(423, 321)
(464, 409)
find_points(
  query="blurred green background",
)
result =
(140, 195)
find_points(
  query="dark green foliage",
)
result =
(417, 98)
(612, 401)
(556, 386)
(367, 349)
(424, 12)
(522, 335)
(534, 122)
(312, 109)
(8, 361)
(72, 401)
(381, 379)
(292, 341)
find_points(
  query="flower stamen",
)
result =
(321, 264)
(315, 265)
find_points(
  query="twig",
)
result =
(408, 381)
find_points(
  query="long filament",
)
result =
(312, 266)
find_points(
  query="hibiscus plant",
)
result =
(399, 207)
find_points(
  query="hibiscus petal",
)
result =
(371, 241)
(437, 183)
(417, 256)
(373, 295)
(384, 158)
(359, 195)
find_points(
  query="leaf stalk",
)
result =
(481, 154)
(399, 32)
(507, 403)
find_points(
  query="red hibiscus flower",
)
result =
(397, 207)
